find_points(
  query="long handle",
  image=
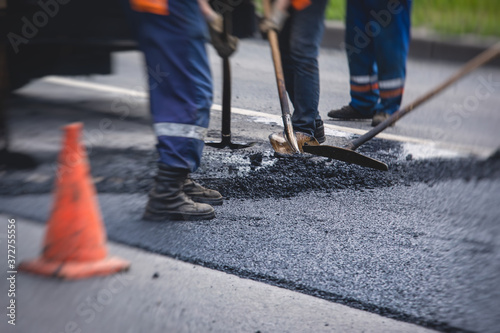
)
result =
(479, 60)
(226, 83)
(4, 135)
(272, 36)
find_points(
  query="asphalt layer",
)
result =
(253, 173)
(369, 239)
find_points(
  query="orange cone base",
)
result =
(74, 270)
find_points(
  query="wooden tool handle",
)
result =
(476, 62)
(272, 36)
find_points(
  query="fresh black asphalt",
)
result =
(418, 243)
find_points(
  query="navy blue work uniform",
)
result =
(377, 40)
(299, 43)
(172, 36)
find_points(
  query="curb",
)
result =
(423, 45)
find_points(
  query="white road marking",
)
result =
(272, 118)
(94, 86)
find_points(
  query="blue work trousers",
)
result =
(376, 41)
(299, 45)
(180, 83)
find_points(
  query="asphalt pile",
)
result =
(289, 177)
(258, 173)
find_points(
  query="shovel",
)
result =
(347, 153)
(226, 101)
(287, 142)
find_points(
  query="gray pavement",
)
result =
(464, 115)
(419, 243)
(160, 294)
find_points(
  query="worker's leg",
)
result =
(180, 99)
(391, 49)
(179, 81)
(302, 72)
(361, 58)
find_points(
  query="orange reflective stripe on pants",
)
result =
(391, 93)
(364, 87)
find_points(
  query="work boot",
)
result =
(167, 200)
(201, 194)
(319, 132)
(379, 118)
(347, 112)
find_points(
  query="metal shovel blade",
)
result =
(226, 142)
(346, 155)
(282, 146)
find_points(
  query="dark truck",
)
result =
(61, 37)
(76, 37)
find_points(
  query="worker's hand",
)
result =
(275, 22)
(223, 47)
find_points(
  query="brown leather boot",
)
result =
(167, 200)
(201, 194)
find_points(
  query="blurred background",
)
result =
(447, 17)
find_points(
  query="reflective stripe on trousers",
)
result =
(377, 40)
(180, 130)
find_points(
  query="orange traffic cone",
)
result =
(75, 240)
